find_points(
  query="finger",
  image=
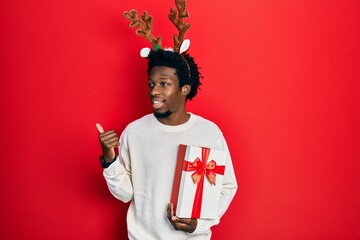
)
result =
(186, 221)
(99, 128)
(171, 209)
(111, 143)
(181, 226)
(171, 213)
(186, 224)
(108, 135)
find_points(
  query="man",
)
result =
(143, 172)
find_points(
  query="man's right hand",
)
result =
(108, 140)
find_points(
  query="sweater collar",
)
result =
(177, 128)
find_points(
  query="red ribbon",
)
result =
(201, 168)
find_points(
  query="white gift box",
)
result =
(197, 183)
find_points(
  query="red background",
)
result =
(281, 81)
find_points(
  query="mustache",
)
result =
(157, 98)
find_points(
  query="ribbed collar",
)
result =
(176, 128)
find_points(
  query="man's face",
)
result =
(165, 94)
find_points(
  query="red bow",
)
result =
(202, 167)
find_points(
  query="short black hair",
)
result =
(186, 68)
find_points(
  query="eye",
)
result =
(165, 84)
(150, 85)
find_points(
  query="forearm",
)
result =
(119, 181)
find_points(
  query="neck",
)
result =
(175, 119)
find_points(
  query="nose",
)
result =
(154, 90)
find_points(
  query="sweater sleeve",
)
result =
(118, 174)
(228, 191)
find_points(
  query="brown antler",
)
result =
(177, 20)
(145, 26)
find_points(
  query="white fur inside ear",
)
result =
(145, 52)
(184, 46)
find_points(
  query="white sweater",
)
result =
(144, 172)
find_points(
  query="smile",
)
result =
(157, 103)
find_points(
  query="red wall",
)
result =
(281, 80)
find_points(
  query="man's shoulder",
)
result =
(206, 123)
(141, 122)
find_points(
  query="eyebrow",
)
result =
(162, 76)
(166, 75)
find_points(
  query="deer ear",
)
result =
(145, 52)
(184, 46)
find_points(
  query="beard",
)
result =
(160, 115)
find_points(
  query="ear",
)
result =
(185, 90)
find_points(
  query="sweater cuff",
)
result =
(114, 169)
(204, 225)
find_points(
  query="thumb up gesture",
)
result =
(108, 140)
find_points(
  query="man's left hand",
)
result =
(181, 224)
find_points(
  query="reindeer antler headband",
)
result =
(145, 24)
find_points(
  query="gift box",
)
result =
(197, 182)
